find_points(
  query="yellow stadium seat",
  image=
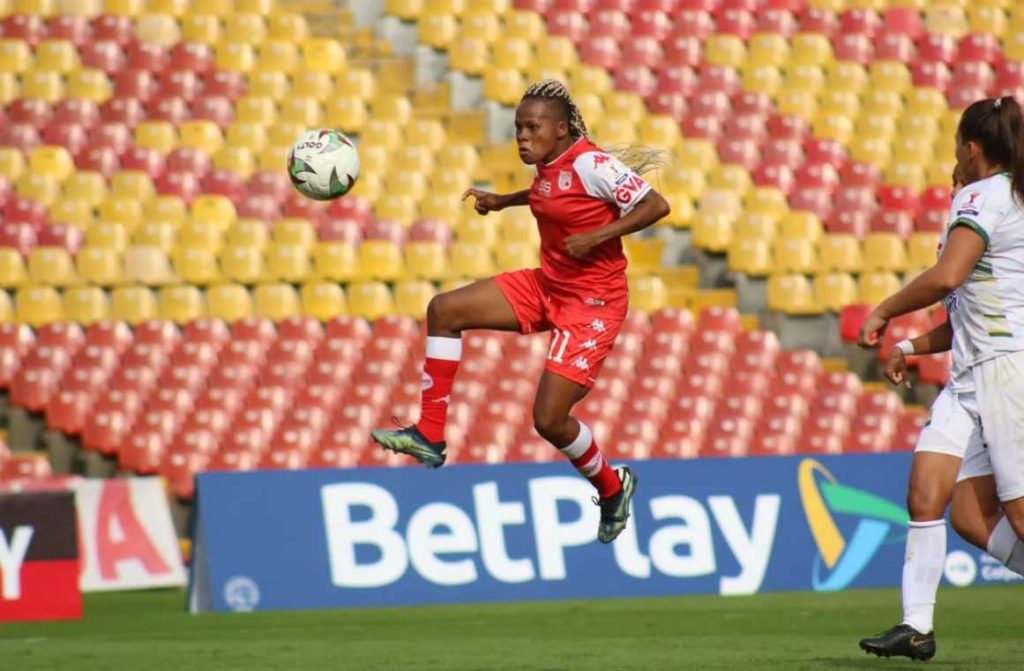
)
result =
(334, 261)
(181, 304)
(358, 82)
(647, 294)
(836, 127)
(884, 251)
(133, 305)
(412, 298)
(445, 184)
(12, 163)
(322, 55)
(51, 266)
(624, 106)
(810, 49)
(470, 55)
(229, 302)
(840, 252)
(51, 160)
(871, 150)
(382, 133)
(712, 231)
(847, 76)
(844, 103)
(925, 104)
(426, 260)
(194, 266)
(56, 56)
(283, 133)
(289, 263)
(922, 249)
(298, 232)
(246, 136)
(750, 256)
(83, 185)
(903, 174)
(833, 291)
(201, 28)
(158, 135)
(276, 302)
(471, 261)
(658, 130)
(202, 135)
(200, 235)
(392, 108)
(791, 294)
(86, 305)
(129, 8)
(407, 10)
(234, 57)
(407, 183)
(347, 113)
(155, 28)
(591, 109)
(801, 104)
(235, 159)
(176, 8)
(158, 234)
(243, 264)
(889, 76)
(12, 268)
(323, 300)
(794, 255)
(882, 102)
(256, 109)
(643, 254)
(9, 88)
(800, 225)
(753, 226)
(301, 111)
(874, 128)
(909, 150)
(370, 300)
(767, 201)
(398, 208)
(728, 178)
(512, 54)
(1013, 45)
(556, 51)
(803, 78)
(37, 306)
(108, 235)
(131, 185)
(77, 213)
(481, 26)
(215, 210)
(873, 288)
(379, 260)
(170, 209)
(89, 84)
(725, 50)
(940, 171)
(316, 85)
(514, 256)
(946, 19)
(99, 265)
(517, 225)
(438, 30)
(44, 85)
(247, 233)
(288, 26)
(43, 8)
(478, 230)
(765, 79)
(151, 267)
(461, 157)
(244, 27)
(41, 188)
(768, 49)
(272, 85)
(15, 55)
(503, 85)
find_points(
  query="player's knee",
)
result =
(967, 526)
(924, 504)
(549, 424)
(442, 313)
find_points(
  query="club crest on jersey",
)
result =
(564, 180)
(972, 204)
(544, 188)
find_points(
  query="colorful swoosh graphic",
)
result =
(840, 560)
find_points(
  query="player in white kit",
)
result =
(975, 274)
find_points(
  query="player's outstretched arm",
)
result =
(493, 202)
(649, 210)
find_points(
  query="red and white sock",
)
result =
(442, 362)
(588, 460)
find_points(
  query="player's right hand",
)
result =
(485, 200)
(896, 367)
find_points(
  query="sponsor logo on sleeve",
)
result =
(971, 205)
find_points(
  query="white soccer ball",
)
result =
(323, 164)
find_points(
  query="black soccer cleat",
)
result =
(901, 641)
(615, 511)
(410, 441)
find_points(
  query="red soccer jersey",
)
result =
(582, 190)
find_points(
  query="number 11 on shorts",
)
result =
(559, 343)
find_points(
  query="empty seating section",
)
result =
(170, 300)
(170, 399)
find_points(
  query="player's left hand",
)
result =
(872, 330)
(579, 244)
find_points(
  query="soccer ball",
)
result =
(323, 164)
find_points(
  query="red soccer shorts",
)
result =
(581, 335)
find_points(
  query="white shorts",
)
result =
(951, 427)
(999, 385)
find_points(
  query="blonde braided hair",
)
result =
(638, 158)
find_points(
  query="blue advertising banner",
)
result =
(374, 537)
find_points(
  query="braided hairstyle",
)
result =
(639, 158)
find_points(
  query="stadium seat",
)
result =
(276, 302)
(37, 306)
(323, 300)
(229, 302)
(181, 304)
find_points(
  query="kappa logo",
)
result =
(589, 344)
(581, 363)
(598, 325)
(841, 559)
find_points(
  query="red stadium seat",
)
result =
(772, 444)
(27, 27)
(70, 27)
(719, 78)
(148, 56)
(929, 74)
(233, 460)
(135, 84)
(602, 52)
(739, 22)
(609, 23)
(21, 136)
(819, 442)
(29, 111)
(103, 55)
(18, 236)
(31, 466)
(180, 468)
(934, 368)
(568, 23)
(225, 83)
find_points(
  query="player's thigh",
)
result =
(556, 396)
(932, 478)
(1000, 384)
(975, 509)
(480, 305)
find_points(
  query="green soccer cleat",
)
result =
(615, 511)
(410, 441)
(901, 641)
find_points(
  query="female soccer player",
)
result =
(584, 200)
(980, 276)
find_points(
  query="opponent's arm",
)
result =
(939, 339)
(650, 209)
(493, 202)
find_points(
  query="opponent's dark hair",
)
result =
(996, 125)
(639, 158)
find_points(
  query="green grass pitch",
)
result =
(977, 629)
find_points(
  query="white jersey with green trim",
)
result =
(987, 310)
